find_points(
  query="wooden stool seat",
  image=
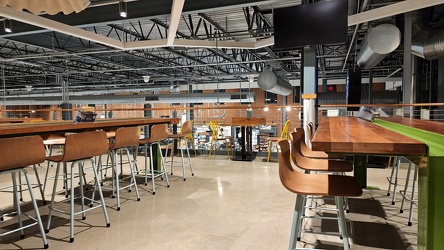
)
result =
(307, 152)
(110, 134)
(125, 138)
(51, 140)
(312, 184)
(158, 133)
(187, 129)
(311, 164)
(79, 148)
(16, 154)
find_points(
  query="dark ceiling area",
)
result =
(217, 41)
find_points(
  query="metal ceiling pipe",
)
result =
(427, 42)
(269, 81)
(378, 43)
(232, 97)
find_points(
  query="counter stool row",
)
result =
(77, 150)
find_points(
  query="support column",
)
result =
(324, 85)
(148, 114)
(370, 87)
(66, 106)
(407, 75)
(309, 77)
(66, 111)
(191, 110)
(440, 96)
(284, 110)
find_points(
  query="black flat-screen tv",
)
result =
(310, 24)
(353, 87)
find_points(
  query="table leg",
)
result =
(360, 169)
(245, 152)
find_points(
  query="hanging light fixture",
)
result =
(123, 9)
(8, 25)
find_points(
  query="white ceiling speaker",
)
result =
(146, 78)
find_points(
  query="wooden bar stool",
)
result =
(124, 139)
(313, 164)
(306, 151)
(394, 179)
(158, 133)
(314, 184)
(51, 140)
(11, 163)
(80, 148)
(187, 128)
(316, 165)
(409, 195)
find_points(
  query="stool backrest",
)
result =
(125, 137)
(159, 132)
(85, 145)
(310, 131)
(296, 154)
(304, 148)
(187, 128)
(287, 174)
(19, 152)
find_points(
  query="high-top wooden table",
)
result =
(419, 140)
(246, 125)
(23, 129)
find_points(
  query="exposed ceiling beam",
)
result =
(176, 13)
(45, 23)
(143, 9)
(391, 10)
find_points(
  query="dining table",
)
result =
(246, 124)
(46, 127)
(422, 142)
(60, 127)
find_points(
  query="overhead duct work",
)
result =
(235, 97)
(427, 42)
(269, 81)
(378, 43)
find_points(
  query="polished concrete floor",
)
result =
(226, 205)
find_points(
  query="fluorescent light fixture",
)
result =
(123, 9)
(8, 25)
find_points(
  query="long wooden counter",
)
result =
(11, 130)
(357, 136)
(426, 125)
(400, 136)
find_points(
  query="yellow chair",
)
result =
(218, 135)
(284, 135)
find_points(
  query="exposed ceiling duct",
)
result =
(233, 97)
(427, 42)
(269, 81)
(378, 43)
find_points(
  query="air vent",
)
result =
(151, 98)
(238, 97)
